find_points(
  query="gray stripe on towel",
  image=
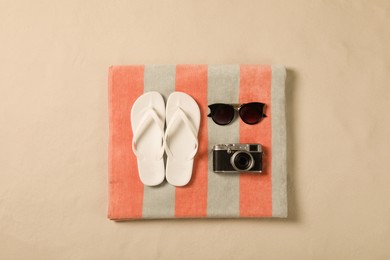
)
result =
(159, 201)
(223, 188)
(279, 161)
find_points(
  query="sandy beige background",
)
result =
(54, 57)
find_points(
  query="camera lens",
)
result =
(242, 161)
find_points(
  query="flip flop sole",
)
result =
(180, 140)
(150, 168)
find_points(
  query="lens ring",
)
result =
(251, 113)
(222, 114)
(233, 158)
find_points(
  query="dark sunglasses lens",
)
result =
(251, 114)
(223, 114)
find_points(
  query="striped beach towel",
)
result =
(208, 195)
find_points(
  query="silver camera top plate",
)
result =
(238, 146)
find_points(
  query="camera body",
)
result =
(237, 158)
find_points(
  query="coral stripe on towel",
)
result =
(126, 84)
(256, 189)
(191, 200)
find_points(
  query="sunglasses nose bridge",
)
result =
(236, 106)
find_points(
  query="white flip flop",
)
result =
(181, 137)
(147, 121)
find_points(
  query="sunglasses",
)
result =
(250, 113)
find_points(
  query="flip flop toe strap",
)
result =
(180, 115)
(149, 116)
